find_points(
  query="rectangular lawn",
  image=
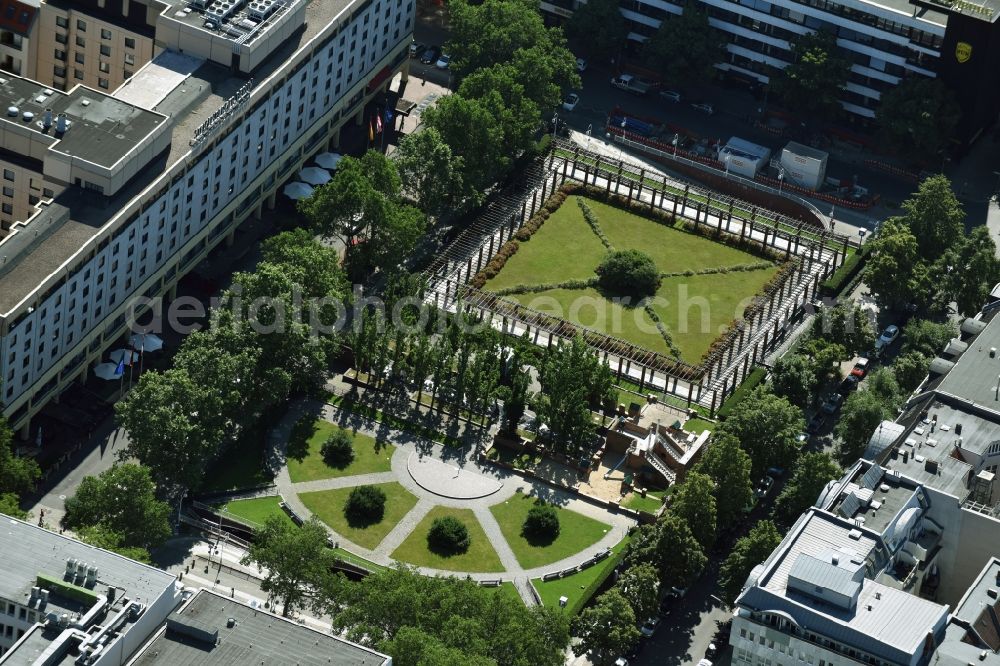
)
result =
(305, 460)
(579, 587)
(255, 510)
(328, 506)
(576, 532)
(479, 558)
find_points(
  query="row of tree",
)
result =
(417, 620)
(259, 349)
(18, 475)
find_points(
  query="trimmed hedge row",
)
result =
(535, 288)
(594, 223)
(755, 377)
(844, 275)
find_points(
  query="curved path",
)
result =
(447, 461)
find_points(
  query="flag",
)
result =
(378, 123)
(120, 370)
(371, 132)
(388, 115)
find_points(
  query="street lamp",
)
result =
(555, 125)
(725, 160)
(590, 130)
(832, 209)
(677, 138)
(781, 178)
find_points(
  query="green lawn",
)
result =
(546, 259)
(242, 464)
(696, 425)
(305, 462)
(579, 587)
(507, 589)
(255, 510)
(328, 506)
(650, 503)
(479, 558)
(576, 532)
(695, 309)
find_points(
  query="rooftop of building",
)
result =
(27, 263)
(824, 560)
(29, 550)
(973, 637)
(975, 374)
(240, 21)
(101, 129)
(930, 13)
(983, 10)
(873, 498)
(113, 12)
(212, 630)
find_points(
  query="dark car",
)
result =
(430, 55)
(816, 424)
(833, 403)
(849, 384)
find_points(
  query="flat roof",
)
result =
(29, 550)
(932, 14)
(102, 129)
(974, 376)
(157, 79)
(35, 642)
(255, 636)
(188, 106)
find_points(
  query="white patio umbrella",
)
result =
(315, 175)
(106, 371)
(118, 354)
(328, 160)
(147, 342)
(297, 190)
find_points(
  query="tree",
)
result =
(935, 217)
(891, 263)
(812, 473)
(17, 475)
(499, 90)
(767, 426)
(910, 369)
(826, 357)
(679, 555)
(541, 524)
(433, 173)
(414, 647)
(882, 382)
(597, 29)
(161, 416)
(794, 378)
(122, 500)
(918, 118)
(748, 552)
(9, 506)
(847, 325)
(103, 537)
(295, 562)
(313, 266)
(813, 82)
(927, 338)
(365, 506)
(469, 129)
(694, 502)
(338, 449)
(606, 629)
(975, 272)
(629, 272)
(448, 536)
(685, 48)
(861, 415)
(728, 466)
(640, 585)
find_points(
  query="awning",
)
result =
(106, 371)
(328, 160)
(315, 176)
(146, 342)
(296, 191)
(119, 354)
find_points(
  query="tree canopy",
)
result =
(927, 338)
(767, 426)
(606, 629)
(432, 173)
(728, 465)
(17, 475)
(861, 414)
(640, 585)
(694, 502)
(748, 552)
(918, 117)
(121, 500)
(813, 82)
(794, 378)
(685, 48)
(597, 29)
(812, 473)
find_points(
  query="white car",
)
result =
(621, 661)
(581, 65)
(704, 107)
(571, 101)
(888, 336)
(444, 62)
(670, 95)
(649, 627)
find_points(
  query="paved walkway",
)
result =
(464, 459)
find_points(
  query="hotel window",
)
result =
(129, 43)
(105, 50)
(102, 83)
(104, 67)
(129, 59)
(80, 41)
(78, 74)
(59, 72)
(105, 33)
(78, 57)
(60, 54)
(61, 38)
(62, 22)
(81, 25)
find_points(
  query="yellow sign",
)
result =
(963, 51)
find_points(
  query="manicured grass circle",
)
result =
(576, 532)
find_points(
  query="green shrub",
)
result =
(844, 275)
(755, 377)
(365, 506)
(629, 272)
(542, 524)
(338, 449)
(448, 536)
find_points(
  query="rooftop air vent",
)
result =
(13, 111)
(27, 116)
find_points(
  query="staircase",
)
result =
(659, 466)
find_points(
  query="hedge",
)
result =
(73, 592)
(755, 377)
(844, 275)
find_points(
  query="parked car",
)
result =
(704, 107)
(816, 423)
(649, 627)
(416, 48)
(861, 368)
(704, 662)
(571, 101)
(621, 661)
(711, 651)
(581, 65)
(444, 62)
(833, 403)
(888, 336)
(776, 472)
(764, 488)
(430, 55)
(670, 95)
(849, 384)
(631, 84)
(677, 592)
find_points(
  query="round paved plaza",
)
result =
(449, 480)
